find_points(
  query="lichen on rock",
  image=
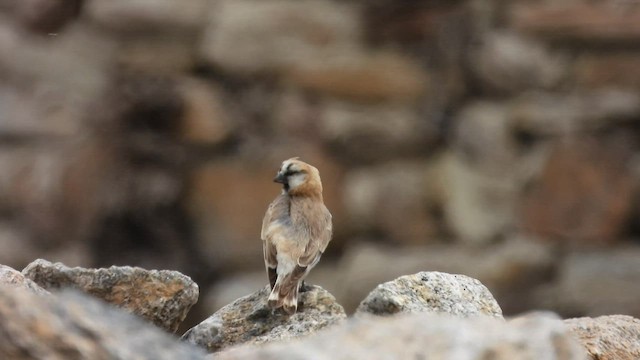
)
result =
(248, 320)
(434, 292)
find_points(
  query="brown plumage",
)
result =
(295, 232)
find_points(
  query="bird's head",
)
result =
(299, 178)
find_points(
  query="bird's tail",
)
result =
(285, 291)
(284, 296)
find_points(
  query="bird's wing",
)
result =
(270, 259)
(318, 245)
(266, 220)
(269, 251)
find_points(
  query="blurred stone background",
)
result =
(496, 139)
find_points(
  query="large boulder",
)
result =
(428, 336)
(248, 320)
(72, 325)
(161, 296)
(433, 292)
(608, 337)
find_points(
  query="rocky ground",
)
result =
(122, 313)
(496, 139)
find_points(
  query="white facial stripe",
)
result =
(296, 180)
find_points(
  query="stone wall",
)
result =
(491, 138)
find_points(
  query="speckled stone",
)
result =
(161, 296)
(436, 292)
(249, 321)
(73, 325)
(427, 336)
(12, 277)
(608, 337)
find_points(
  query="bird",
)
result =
(296, 229)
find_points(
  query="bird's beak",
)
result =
(280, 178)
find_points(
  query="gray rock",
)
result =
(71, 325)
(405, 213)
(608, 337)
(485, 172)
(543, 113)
(368, 133)
(518, 263)
(507, 63)
(563, 206)
(249, 36)
(150, 16)
(249, 321)
(160, 296)
(428, 336)
(365, 77)
(436, 292)
(12, 277)
(48, 16)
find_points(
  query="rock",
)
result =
(139, 103)
(49, 108)
(584, 194)
(485, 171)
(419, 24)
(608, 70)
(407, 214)
(12, 277)
(608, 337)
(249, 36)
(53, 192)
(512, 269)
(166, 54)
(482, 136)
(479, 207)
(508, 63)
(428, 336)
(580, 21)
(66, 74)
(435, 292)
(229, 288)
(595, 283)
(249, 321)
(438, 34)
(378, 132)
(205, 120)
(553, 114)
(71, 325)
(148, 16)
(47, 16)
(364, 77)
(161, 297)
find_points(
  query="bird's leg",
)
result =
(304, 287)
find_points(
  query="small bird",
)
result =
(295, 232)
